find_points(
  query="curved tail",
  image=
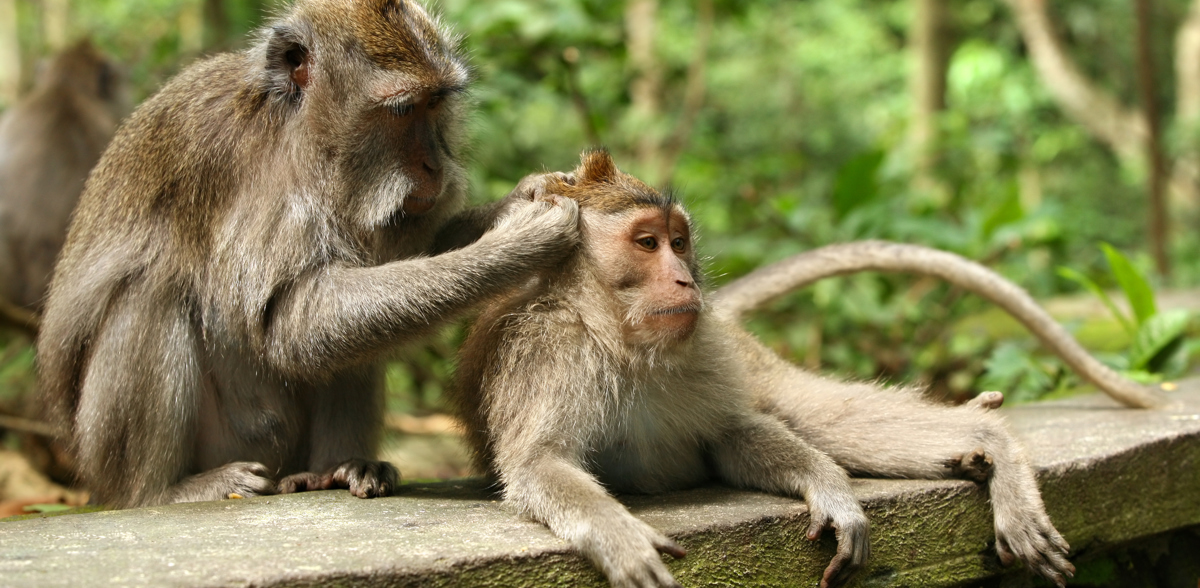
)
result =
(770, 282)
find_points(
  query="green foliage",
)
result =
(802, 140)
(1133, 283)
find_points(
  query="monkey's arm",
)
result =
(897, 434)
(768, 283)
(340, 315)
(546, 409)
(761, 453)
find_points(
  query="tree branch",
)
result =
(1123, 130)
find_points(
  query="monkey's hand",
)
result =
(244, 478)
(1029, 536)
(845, 516)
(534, 187)
(364, 478)
(545, 231)
(627, 549)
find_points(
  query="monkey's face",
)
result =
(645, 256)
(378, 84)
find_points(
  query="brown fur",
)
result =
(248, 246)
(48, 142)
(557, 401)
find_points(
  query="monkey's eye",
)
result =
(435, 100)
(400, 109)
(648, 243)
(679, 244)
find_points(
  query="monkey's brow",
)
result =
(405, 96)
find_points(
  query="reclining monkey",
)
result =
(610, 373)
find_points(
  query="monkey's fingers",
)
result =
(304, 482)
(669, 547)
(817, 525)
(987, 400)
(839, 571)
(367, 478)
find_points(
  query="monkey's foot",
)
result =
(1035, 541)
(244, 478)
(366, 478)
(987, 400)
(305, 482)
(974, 465)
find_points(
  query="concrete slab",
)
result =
(1109, 475)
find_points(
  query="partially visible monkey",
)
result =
(256, 235)
(49, 140)
(610, 372)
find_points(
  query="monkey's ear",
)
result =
(288, 62)
(597, 166)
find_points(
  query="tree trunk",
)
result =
(216, 24)
(646, 87)
(1184, 176)
(1156, 164)
(56, 24)
(10, 54)
(693, 97)
(929, 39)
(191, 28)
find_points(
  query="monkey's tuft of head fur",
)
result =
(600, 185)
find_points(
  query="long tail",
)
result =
(769, 282)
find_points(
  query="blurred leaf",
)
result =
(1137, 288)
(1086, 282)
(857, 182)
(1157, 338)
(1009, 211)
(1013, 371)
(47, 508)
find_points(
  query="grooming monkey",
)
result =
(610, 372)
(49, 141)
(257, 234)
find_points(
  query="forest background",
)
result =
(1019, 133)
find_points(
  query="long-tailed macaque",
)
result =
(258, 232)
(609, 372)
(49, 140)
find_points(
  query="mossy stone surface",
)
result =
(1109, 475)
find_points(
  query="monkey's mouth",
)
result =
(685, 309)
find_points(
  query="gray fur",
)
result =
(230, 279)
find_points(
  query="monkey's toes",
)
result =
(987, 400)
(304, 482)
(975, 466)
(367, 478)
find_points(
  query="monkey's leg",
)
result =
(895, 433)
(763, 454)
(135, 425)
(345, 439)
(573, 504)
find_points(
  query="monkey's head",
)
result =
(84, 68)
(376, 86)
(638, 244)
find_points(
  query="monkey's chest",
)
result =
(651, 452)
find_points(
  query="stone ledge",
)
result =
(1108, 475)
